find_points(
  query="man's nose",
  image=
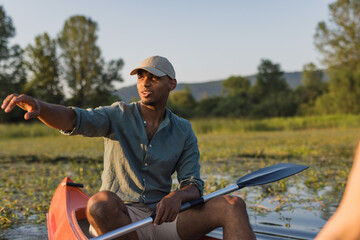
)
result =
(147, 80)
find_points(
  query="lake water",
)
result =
(265, 229)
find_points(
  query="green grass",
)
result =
(213, 125)
(51, 148)
(31, 129)
(230, 125)
(310, 144)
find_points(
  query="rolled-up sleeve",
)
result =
(90, 122)
(188, 167)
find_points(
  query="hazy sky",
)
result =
(205, 40)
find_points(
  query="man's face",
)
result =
(154, 90)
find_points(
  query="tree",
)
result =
(82, 57)
(103, 89)
(12, 72)
(7, 30)
(279, 104)
(42, 61)
(312, 87)
(269, 79)
(236, 101)
(339, 40)
(235, 85)
(182, 102)
(339, 43)
(271, 94)
(83, 65)
(311, 76)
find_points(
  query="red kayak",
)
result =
(66, 218)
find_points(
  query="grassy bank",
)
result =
(35, 129)
(312, 137)
(215, 125)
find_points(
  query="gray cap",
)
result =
(159, 66)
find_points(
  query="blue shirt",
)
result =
(136, 169)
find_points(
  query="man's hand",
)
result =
(168, 208)
(29, 104)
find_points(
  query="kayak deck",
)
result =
(66, 218)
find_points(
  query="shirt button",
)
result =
(143, 196)
(150, 145)
(146, 164)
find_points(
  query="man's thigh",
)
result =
(164, 231)
(194, 223)
(228, 212)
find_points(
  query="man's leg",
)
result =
(106, 212)
(226, 211)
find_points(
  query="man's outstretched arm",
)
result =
(55, 116)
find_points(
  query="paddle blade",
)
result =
(270, 174)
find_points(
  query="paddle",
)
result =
(258, 177)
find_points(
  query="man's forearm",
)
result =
(57, 116)
(188, 193)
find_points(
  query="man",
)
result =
(145, 144)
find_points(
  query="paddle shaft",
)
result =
(258, 177)
(147, 221)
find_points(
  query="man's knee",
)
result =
(105, 212)
(104, 205)
(233, 205)
(236, 202)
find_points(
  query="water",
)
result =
(25, 232)
(263, 231)
(294, 225)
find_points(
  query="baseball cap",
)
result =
(157, 65)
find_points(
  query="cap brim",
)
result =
(151, 70)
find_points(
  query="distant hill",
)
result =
(206, 89)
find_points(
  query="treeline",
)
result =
(48, 68)
(269, 96)
(72, 63)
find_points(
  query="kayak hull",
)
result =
(66, 218)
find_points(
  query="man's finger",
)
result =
(12, 103)
(168, 216)
(171, 217)
(7, 100)
(164, 217)
(15, 100)
(159, 213)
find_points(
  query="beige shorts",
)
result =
(139, 212)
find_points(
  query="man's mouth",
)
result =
(145, 93)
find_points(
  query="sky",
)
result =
(206, 40)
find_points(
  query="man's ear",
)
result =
(173, 84)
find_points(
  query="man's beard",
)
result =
(148, 102)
